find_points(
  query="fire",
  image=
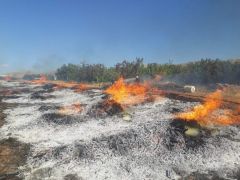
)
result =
(63, 84)
(78, 87)
(229, 117)
(82, 86)
(42, 80)
(7, 78)
(127, 94)
(72, 109)
(209, 112)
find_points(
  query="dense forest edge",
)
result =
(204, 71)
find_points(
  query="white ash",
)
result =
(111, 148)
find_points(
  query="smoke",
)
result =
(4, 65)
(48, 64)
(208, 72)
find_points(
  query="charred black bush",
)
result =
(104, 108)
(59, 119)
(176, 136)
(41, 95)
(46, 108)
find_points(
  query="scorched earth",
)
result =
(73, 135)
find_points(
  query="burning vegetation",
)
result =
(209, 113)
(122, 120)
(72, 109)
(7, 78)
(41, 80)
(132, 94)
(77, 87)
(127, 94)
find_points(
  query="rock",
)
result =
(191, 131)
(127, 117)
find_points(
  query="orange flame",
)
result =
(209, 113)
(72, 109)
(62, 84)
(7, 78)
(41, 80)
(78, 87)
(127, 94)
(83, 86)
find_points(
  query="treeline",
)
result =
(86, 73)
(199, 72)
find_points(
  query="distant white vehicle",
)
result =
(189, 88)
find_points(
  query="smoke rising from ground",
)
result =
(48, 64)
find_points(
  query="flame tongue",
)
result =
(209, 113)
(78, 87)
(41, 80)
(212, 102)
(228, 117)
(127, 94)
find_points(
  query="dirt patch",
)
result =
(3, 106)
(2, 116)
(12, 155)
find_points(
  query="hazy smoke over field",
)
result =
(206, 72)
(4, 65)
(48, 64)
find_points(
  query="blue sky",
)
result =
(44, 34)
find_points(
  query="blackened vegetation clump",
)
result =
(41, 95)
(120, 144)
(59, 119)
(211, 175)
(49, 87)
(48, 107)
(177, 137)
(105, 108)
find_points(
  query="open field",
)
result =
(60, 133)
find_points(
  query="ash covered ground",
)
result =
(149, 144)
